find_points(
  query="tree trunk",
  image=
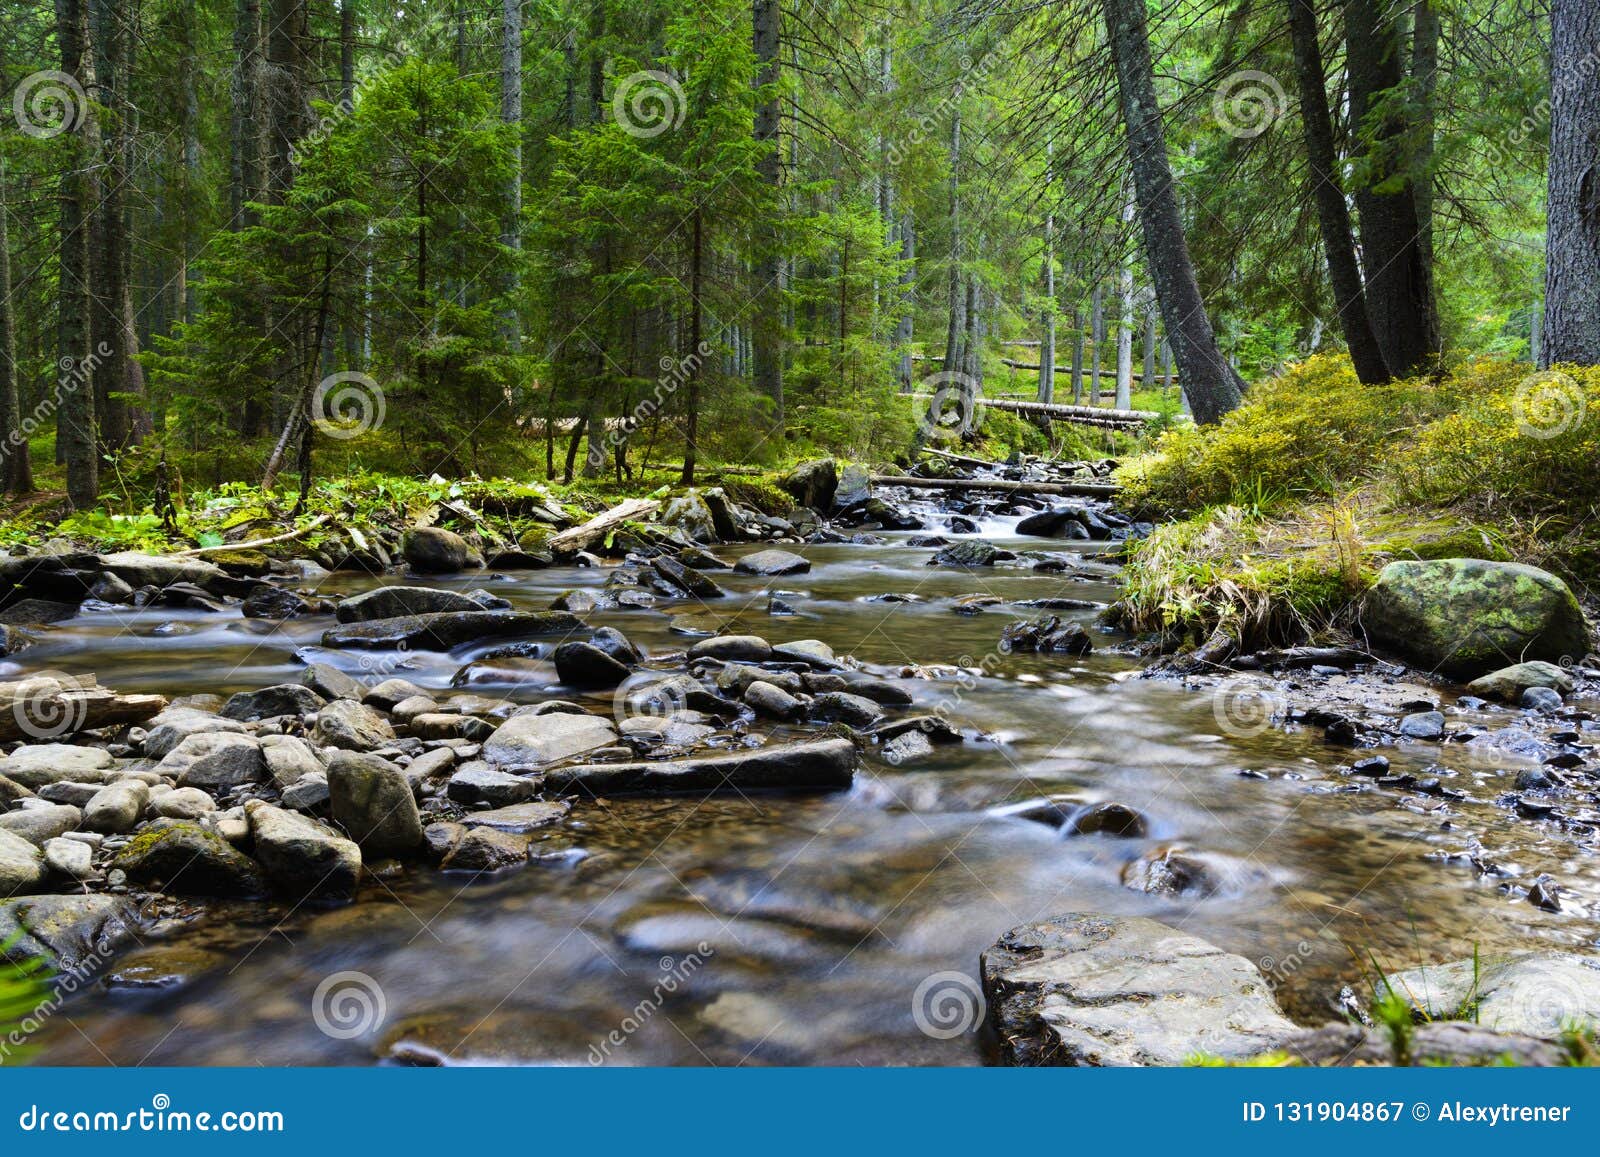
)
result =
(1125, 317)
(511, 114)
(1097, 340)
(18, 470)
(1425, 79)
(1077, 355)
(1212, 386)
(75, 418)
(691, 423)
(954, 348)
(1333, 212)
(110, 327)
(1047, 340)
(243, 155)
(766, 16)
(1399, 282)
(1572, 262)
(904, 332)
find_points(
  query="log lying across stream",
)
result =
(47, 708)
(1082, 415)
(1004, 486)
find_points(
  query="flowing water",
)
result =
(819, 929)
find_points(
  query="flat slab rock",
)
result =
(443, 630)
(821, 765)
(1085, 989)
(1536, 994)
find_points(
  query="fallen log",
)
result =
(579, 537)
(1004, 486)
(259, 542)
(45, 708)
(1083, 415)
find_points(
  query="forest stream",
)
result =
(814, 929)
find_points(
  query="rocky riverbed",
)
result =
(771, 776)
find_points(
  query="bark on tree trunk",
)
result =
(1572, 263)
(18, 471)
(691, 424)
(1211, 385)
(1047, 341)
(75, 417)
(511, 114)
(1327, 189)
(768, 322)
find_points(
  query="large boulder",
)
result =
(352, 726)
(1538, 994)
(371, 799)
(1465, 617)
(176, 724)
(215, 759)
(36, 764)
(586, 666)
(772, 562)
(690, 514)
(1048, 633)
(22, 867)
(442, 630)
(71, 933)
(812, 484)
(820, 765)
(159, 570)
(854, 488)
(269, 702)
(301, 855)
(434, 550)
(185, 859)
(392, 602)
(531, 741)
(1086, 989)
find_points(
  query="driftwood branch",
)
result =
(45, 708)
(579, 537)
(259, 542)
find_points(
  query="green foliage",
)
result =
(24, 988)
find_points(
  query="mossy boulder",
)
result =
(243, 563)
(812, 483)
(690, 514)
(185, 859)
(1465, 617)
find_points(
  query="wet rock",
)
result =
(676, 693)
(413, 706)
(116, 807)
(176, 724)
(302, 856)
(1110, 818)
(163, 966)
(289, 758)
(309, 794)
(332, 683)
(1541, 699)
(878, 690)
(387, 694)
(352, 726)
(1534, 993)
(22, 866)
(478, 782)
(41, 822)
(812, 484)
(1173, 871)
(73, 934)
(586, 666)
(888, 517)
(279, 699)
(842, 707)
(183, 803)
(1467, 617)
(732, 648)
(34, 765)
(812, 652)
(448, 629)
(1425, 725)
(909, 747)
(580, 602)
(484, 849)
(398, 601)
(773, 702)
(1060, 522)
(854, 488)
(443, 725)
(1544, 893)
(735, 678)
(527, 816)
(434, 550)
(975, 604)
(73, 859)
(1508, 683)
(772, 562)
(1099, 990)
(686, 579)
(371, 799)
(690, 514)
(1372, 767)
(1452, 1044)
(152, 570)
(820, 765)
(533, 741)
(1048, 633)
(971, 552)
(185, 859)
(215, 760)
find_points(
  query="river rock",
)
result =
(372, 800)
(842, 707)
(1060, 522)
(532, 741)
(268, 702)
(185, 859)
(1110, 818)
(397, 601)
(332, 683)
(159, 570)
(1533, 993)
(42, 822)
(170, 728)
(732, 648)
(812, 652)
(434, 550)
(479, 849)
(1087, 989)
(528, 816)
(480, 783)
(1508, 683)
(687, 579)
(214, 760)
(183, 803)
(73, 859)
(289, 758)
(390, 693)
(22, 866)
(301, 855)
(117, 807)
(812, 484)
(445, 630)
(1046, 634)
(1173, 871)
(772, 562)
(352, 726)
(773, 702)
(586, 666)
(265, 601)
(818, 765)
(690, 514)
(1540, 699)
(72, 934)
(36, 764)
(1466, 617)
(1422, 725)
(970, 552)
